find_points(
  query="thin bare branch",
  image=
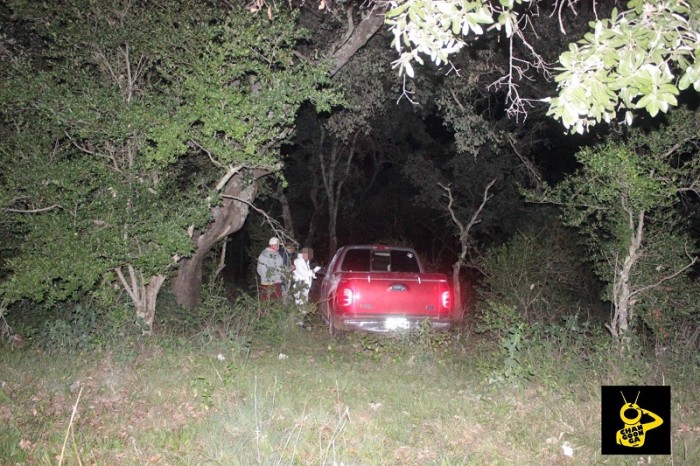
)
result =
(209, 154)
(527, 162)
(34, 211)
(473, 221)
(224, 179)
(277, 228)
(70, 426)
(84, 149)
(125, 284)
(693, 261)
(136, 288)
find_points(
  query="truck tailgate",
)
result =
(393, 293)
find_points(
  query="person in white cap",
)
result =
(270, 266)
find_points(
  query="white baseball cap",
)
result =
(273, 241)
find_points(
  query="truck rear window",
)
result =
(367, 260)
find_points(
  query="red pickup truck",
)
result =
(383, 289)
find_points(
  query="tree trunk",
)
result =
(332, 228)
(457, 289)
(286, 212)
(335, 172)
(464, 241)
(239, 192)
(623, 303)
(143, 294)
(316, 203)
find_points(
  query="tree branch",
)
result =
(224, 179)
(641, 290)
(360, 36)
(484, 200)
(125, 285)
(278, 229)
(34, 211)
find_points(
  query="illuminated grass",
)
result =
(311, 400)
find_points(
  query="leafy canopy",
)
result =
(118, 124)
(639, 59)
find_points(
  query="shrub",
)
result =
(240, 320)
(542, 275)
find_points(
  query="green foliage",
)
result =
(543, 275)
(513, 371)
(118, 126)
(615, 185)
(671, 311)
(439, 29)
(238, 323)
(623, 200)
(472, 131)
(497, 318)
(638, 59)
(80, 328)
(203, 389)
(368, 88)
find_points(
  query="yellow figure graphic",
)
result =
(634, 432)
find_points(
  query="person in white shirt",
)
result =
(303, 276)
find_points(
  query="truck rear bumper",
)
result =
(388, 323)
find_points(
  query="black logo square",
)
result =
(635, 420)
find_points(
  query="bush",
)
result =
(85, 326)
(237, 321)
(543, 276)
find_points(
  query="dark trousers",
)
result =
(271, 292)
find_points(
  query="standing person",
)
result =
(303, 276)
(270, 266)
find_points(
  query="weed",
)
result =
(497, 318)
(76, 332)
(202, 388)
(513, 370)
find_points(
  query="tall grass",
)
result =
(293, 395)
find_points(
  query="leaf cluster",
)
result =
(640, 58)
(439, 29)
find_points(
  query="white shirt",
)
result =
(302, 271)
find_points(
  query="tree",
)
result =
(638, 59)
(125, 129)
(623, 200)
(465, 240)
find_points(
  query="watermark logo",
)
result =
(642, 427)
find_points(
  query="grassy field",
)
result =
(304, 398)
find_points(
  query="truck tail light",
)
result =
(446, 299)
(345, 296)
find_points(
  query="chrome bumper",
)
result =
(389, 323)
